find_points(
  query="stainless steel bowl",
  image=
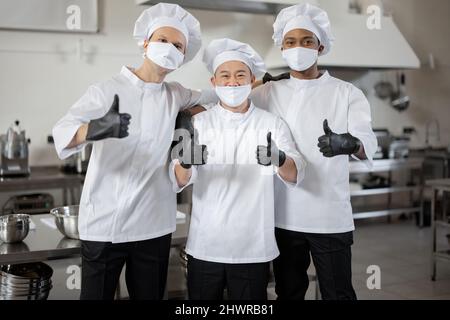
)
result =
(29, 281)
(14, 227)
(66, 219)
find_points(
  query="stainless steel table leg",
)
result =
(72, 196)
(433, 232)
(421, 199)
(65, 198)
(389, 196)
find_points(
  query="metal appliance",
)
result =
(29, 203)
(14, 152)
(399, 148)
(384, 140)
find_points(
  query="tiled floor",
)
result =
(402, 251)
(399, 248)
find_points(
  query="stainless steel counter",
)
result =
(46, 243)
(45, 178)
(386, 165)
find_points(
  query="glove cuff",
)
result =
(185, 166)
(358, 145)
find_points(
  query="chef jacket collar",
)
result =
(128, 73)
(234, 116)
(303, 83)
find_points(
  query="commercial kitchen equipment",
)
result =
(399, 99)
(66, 220)
(31, 281)
(28, 203)
(413, 165)
(45, 242)
(399, 148)
(45, 178)
(384, 140)
(14, 227)
(440, 188)
(14, 152)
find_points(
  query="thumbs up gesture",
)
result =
(112, 125)
(332, 144)
(270, 154)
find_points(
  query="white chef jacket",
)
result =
(322, 204)
(127, 195)
(233, 196)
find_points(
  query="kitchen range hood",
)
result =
(356, 45)
(248, 6)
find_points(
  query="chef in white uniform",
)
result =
(330, 121)
(231, 238)
(127, 208)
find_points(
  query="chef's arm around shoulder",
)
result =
(196, 101)
(360, 126)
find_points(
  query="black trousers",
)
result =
(146, 268)
(331, 254)
(207, 280)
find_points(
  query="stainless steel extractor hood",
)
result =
(356, 46)
(248, 6)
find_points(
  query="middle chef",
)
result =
(231, 238)
(127, 207)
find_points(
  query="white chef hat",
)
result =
(169, 15)
(304, 16)
(222, 50)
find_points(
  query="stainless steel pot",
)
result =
(14, 227)
(66, 219)
(30, 281)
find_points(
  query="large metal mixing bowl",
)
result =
(66, 219)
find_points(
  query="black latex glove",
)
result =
(268, 77)
(184, 121)
(193, 154)
(332, 144)
(190, 152)
(270, 154)
(112, 125)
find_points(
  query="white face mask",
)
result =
(233, 96)
(164, 55)
(300, 59)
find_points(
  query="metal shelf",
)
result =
(384, 212)
(369, 192)
(386, 165)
